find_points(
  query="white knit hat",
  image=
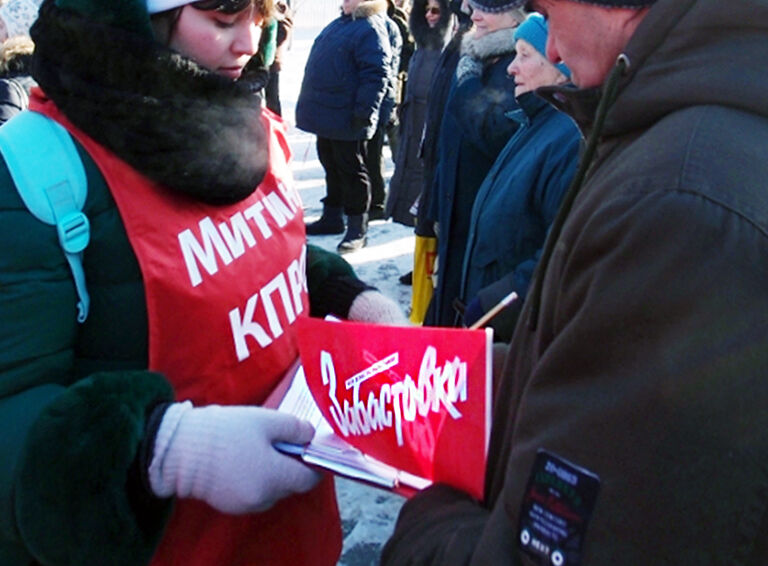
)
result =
(19, 15)
(155, 6)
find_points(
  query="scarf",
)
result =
(175, 122)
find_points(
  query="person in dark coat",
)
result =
(284, 17)
(345, 81)
(430, 24)
(519, 198)
(473, 132)
(439, 88)
(400, 41)
(440, 84)
(630, 423)
(400, 13)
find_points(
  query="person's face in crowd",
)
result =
(587, 37)
(222, 43)
(432, 13)
(531, 69)
(348, 6)
(488, 22)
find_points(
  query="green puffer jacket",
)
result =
(79, 395)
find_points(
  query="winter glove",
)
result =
(224, 456)
(372, 306)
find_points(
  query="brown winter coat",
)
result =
(648, 361)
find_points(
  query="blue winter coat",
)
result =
(346, 75)
(389, 101)
(473, 133)
(517, 202)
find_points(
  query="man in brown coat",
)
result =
(630, 423)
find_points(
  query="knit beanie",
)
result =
(18, 15)
(155, 6)
(496, 6)
(534, 30)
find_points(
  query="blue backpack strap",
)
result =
(50, 178)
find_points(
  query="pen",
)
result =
(497, 308)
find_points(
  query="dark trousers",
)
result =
(346, 176)
(374, 165)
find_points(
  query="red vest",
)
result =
(224, 285)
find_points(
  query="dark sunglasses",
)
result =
(434, 11)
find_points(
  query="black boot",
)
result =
(354, 239)
(331, 222)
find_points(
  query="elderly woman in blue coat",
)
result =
(521, 194)
(473, 131)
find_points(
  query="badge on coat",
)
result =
(555, 511)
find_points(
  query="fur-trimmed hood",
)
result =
(495, 44)
(368, 8)
(425, 36)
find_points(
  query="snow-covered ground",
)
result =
(368, 513)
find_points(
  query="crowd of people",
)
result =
(598, 160)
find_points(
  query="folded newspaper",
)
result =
(395, 407)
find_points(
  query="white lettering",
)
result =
(435, 390)
(328, 374)
(277, 284)
(246, 326)
(275, 298)
(276, 207)
(255, 212)
(239, 235)
(230, 240)
(297, 280)
(192, 250)
(561, 473)
(290, 196)
(375, 369)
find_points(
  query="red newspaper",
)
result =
(398, 407)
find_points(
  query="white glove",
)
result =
(373, 306)
(224, 456)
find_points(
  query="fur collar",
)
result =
(185, 127)
(368, 8)
(425, 36)
(495, 44)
